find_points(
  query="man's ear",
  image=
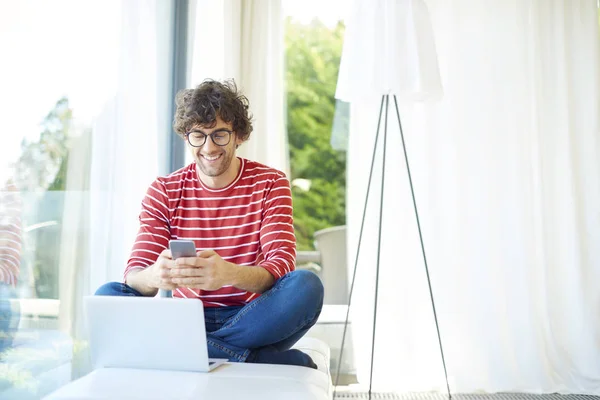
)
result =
(238, 142)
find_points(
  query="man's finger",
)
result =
(186, 272)
(169, 264)
(167, 254)
(186, 262)
(188, 282)
(206, 253)
(164, 274)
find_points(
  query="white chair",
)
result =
(331, 244)
(333, 270)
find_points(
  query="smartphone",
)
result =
(182, 248)
(179, 248)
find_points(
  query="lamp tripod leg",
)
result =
(385, 99)
(412, 191)
(360, 236)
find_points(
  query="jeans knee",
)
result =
(112, 289)
(308, 285)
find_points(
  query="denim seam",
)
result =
(224, 320)
(233, 354)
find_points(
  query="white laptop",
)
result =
(148, 332)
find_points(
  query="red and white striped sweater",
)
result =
(249, 222)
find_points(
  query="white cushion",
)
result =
(229, 381)
(317, 350)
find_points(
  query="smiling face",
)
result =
(217, 165)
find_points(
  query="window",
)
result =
(313, 46)
(75, 110)
(317, 134)
(53, 85)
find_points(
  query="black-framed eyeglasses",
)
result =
(221, 137)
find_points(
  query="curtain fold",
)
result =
(112, 165)
(73, 280)
(125, 156)
(506, 168)
(243, 40)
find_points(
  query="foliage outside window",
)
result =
(40, 174)
(318, 177)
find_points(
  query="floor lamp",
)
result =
(396, 34)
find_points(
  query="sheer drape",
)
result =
(117, 161)
(507, 177)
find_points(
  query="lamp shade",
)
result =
(389, 48)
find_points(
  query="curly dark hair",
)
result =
(201, 105)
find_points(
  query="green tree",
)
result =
(41, 176)
(313, 54)
(42, 164)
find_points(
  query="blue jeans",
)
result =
(278, 318)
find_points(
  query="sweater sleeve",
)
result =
(277, 238)
(154, 233)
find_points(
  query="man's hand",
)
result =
(157, 276)
(160, 272)
(207, 271)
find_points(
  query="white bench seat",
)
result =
(229, 381)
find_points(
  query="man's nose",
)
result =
(209, 145)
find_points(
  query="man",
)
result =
(239, 214)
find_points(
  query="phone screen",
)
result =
(182, 248)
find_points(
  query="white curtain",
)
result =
(123, 156)
(73, 280)
(506, 168)
(243, 40)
